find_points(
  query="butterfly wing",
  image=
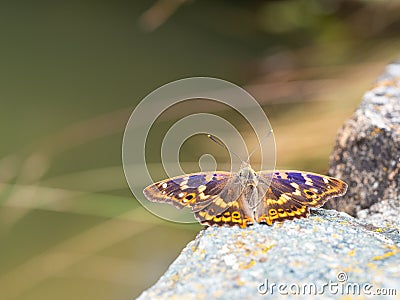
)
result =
(238, 213)
(195, 190)
(291, 193)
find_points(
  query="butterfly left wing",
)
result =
(195, 190)
(238, 213)
(291, 193)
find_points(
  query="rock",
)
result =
(367, 153)
(235, 263)
(384, 213)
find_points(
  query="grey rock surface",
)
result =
(228, 263)
(367, 153)
(385, 213)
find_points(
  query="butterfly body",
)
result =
(245, 197)
(250, 181)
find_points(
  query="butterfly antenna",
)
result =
(259, 145)
(218, 142)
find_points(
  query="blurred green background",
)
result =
(73, 71)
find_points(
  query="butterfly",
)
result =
(245, 197)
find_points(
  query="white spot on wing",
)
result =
(297, 192)
(164, 185)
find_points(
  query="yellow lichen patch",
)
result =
(352, 252)
(317, 219)
(385, 255)
(218, 294)
(372, 265)
(239, 244)
(174, 279)
(240, 282)
(195, 248)
(392, 247)
(297, 263)
(266, 248)
(248, 265)
(350, 269)
(335, 236)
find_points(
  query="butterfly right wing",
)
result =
(291, 193)
(196, 191)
